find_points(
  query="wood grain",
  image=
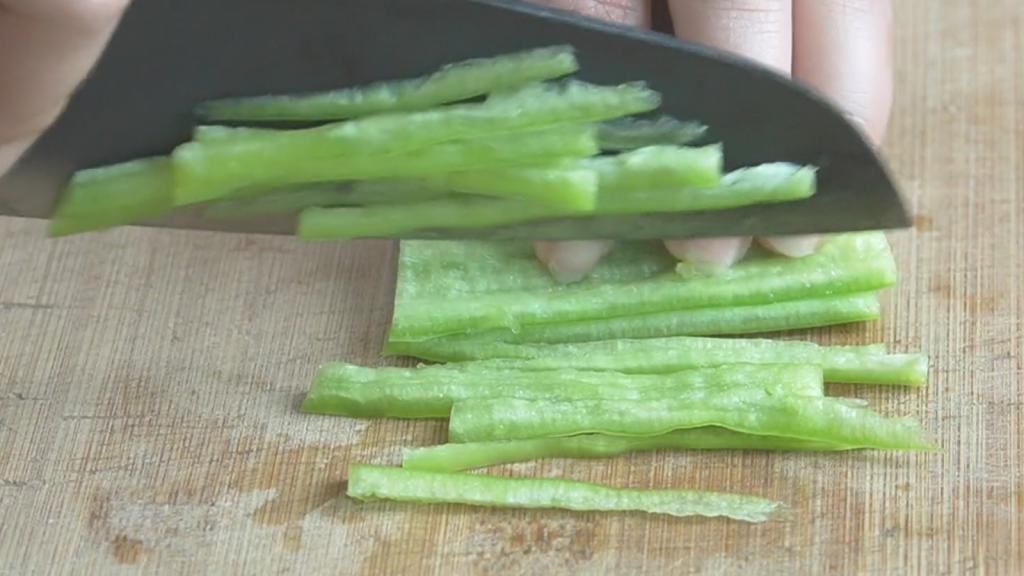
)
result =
(148, 382)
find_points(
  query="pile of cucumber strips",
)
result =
(645, 354)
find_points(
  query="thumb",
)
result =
(47, 47)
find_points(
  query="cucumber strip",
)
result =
(429, 391)
(496, 153)
(736, 320)
(101, 198)
(635, 356)
(293, 199)
(726, 320)
(447, 288)
(214, 167)
(657, 168)
(766, 183)
(451, 83)
(470, 455)
(215, 133)
(289, 199)
(632, 133)
(566, 189)
(392, 219)
(847, 364)
(371, 483)
(815, 419)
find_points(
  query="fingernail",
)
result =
(717, 252)
(792, 246)
(572, 260)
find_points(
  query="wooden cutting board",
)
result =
(148, 383)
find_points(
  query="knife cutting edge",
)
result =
(168, 57)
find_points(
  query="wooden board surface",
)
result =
(148, 382)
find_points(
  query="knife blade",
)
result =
(169, 55)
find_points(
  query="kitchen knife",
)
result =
(169, 55)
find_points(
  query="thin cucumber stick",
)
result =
(429, 391)
(716, 321)
(632, 133)
(637, 356)
(369, 483)
(657, 168)
(471, 455)
(101, 198)
(213, 167)
(567, 189)
(441, 213)
(829, 420)
(847, 364)
(293, 199)
(766, 183)
(451, 83)
(494, 153)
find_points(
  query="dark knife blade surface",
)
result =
(169, 55)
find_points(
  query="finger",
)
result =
(572, 261)
(844, 49)
(715, 252)
(46, 49)
(757, 29)
(792, 246)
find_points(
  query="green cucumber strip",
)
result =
(214, 133)
(214, 167)
(371, 483)
(450, 83)
(471, 455)
(632, 133)
(101, 198)
(766, 183)
(447, 288)
(847, 364)
(293, 199)
(636, 356)
(657, 168)
(392, 219)
(815, 419)
(568, 189)
(429, 391)
(496, 153)
(289, 199)
(736, 320)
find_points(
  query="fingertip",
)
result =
(715, 252)
(792, 246)
(571, 261)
